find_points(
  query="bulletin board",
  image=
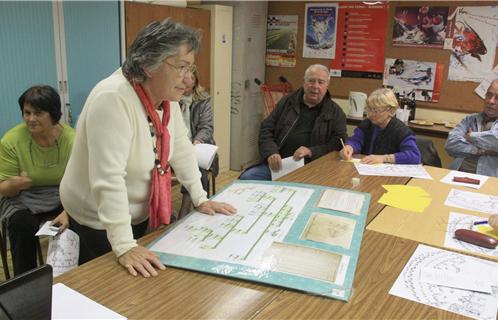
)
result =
(455, 95)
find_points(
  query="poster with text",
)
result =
(472, 40)
(320, 28)
(361, 36)
(420, 26)
(419, 80)
(281, 41)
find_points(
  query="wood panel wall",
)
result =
(455, 95)
(138, 15)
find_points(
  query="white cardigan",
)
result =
(107, 180)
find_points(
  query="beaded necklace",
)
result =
(160, 195)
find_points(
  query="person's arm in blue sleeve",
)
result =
(457, 145)
(356, 141)
(486, 140)
(409, 153)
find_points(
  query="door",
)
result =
(27, 54)
(91, 35)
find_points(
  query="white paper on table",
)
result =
(63, 252)
(465, 221)
(288, 165)
(473, 201)
(475, 278)
(220, 238)
(342, 201)
(472, 304)
(70, 304)
(393, 170)
(205, 154)
(449, 179)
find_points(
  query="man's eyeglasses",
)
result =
(490, 95)
(376, 111)
(44, 159)
(314, 80)
(182, 70)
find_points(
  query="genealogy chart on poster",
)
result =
(283, 234)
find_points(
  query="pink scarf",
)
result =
(160, 194)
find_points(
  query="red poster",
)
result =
(361, 36)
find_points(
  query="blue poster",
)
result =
(320, 31)
(298, 236)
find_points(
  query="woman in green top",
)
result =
(33, 157)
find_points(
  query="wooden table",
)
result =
(180, 294)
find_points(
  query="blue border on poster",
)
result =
(314, 286)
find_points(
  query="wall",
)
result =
(459, 95)
(455, 95)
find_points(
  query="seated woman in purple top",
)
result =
(382, 137)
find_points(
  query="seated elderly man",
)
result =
(305, 124)
(474, 141)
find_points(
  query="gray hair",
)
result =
(320, 67)
(155, 43)
(382, 98)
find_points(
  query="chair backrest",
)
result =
(428, 152)
(27, 296)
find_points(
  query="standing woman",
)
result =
(198, 117)
(382, 137)
(33, 157)
(130, 132)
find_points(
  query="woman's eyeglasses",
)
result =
(182, 70)
(376, 111)
(44, 159)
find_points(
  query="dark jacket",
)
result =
(387, 140)
(330, 125)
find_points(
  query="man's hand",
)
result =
(347, 152)
(373, 159)
(61, 221)
(493, 221)
(301, 152)
(212, 207)
(275, 162)
(482, 152)
(140, 260)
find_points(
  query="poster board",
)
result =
(455, 95)
(281, 235)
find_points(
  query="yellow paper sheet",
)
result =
(405, 201)
(411, 198)
(354, 160)
(412, 190)
(488, 231)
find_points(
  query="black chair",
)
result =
(3, 241)
(428, 152)
(27, 296)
